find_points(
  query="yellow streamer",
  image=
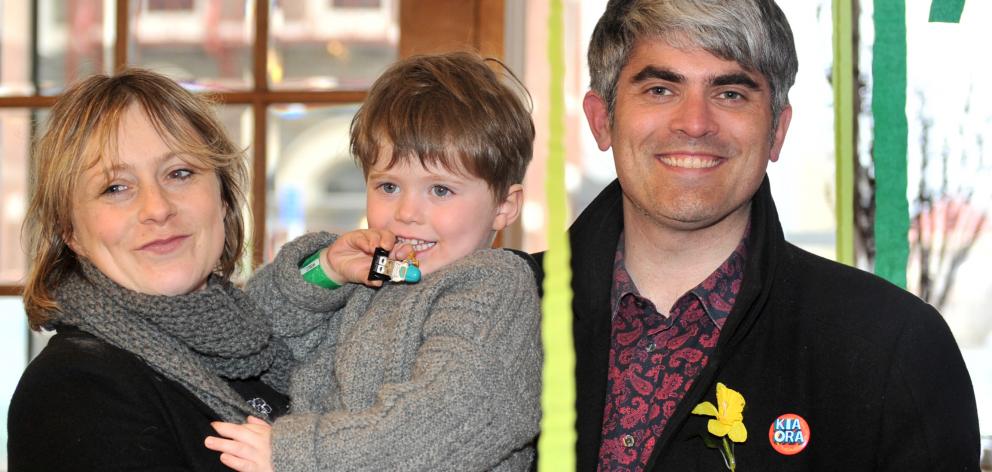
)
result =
(556, 446)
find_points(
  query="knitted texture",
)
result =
(193, 339)
(440, 375)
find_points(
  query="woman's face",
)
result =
(149, 220)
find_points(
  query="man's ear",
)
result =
(598, 116)
(782, 126)
(509, 209)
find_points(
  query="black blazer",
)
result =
(872, 369)
(86, 405)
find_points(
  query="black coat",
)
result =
(873, 370)
(86, 405)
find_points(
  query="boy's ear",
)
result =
(509, 209)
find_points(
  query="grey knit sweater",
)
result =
(440, 375)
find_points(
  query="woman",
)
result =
(134, 228)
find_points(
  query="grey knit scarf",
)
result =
(192, 339)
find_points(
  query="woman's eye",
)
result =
(114, 189)
(181, 174)
(388, 187)
(440, 191)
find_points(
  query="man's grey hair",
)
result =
(754, 33)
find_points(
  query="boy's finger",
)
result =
(388, 239)
(372, 238)
(402, 251)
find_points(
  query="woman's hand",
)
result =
(349, 258)
(248, 447)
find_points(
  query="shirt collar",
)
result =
(717, 293)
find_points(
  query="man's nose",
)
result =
(693, 116)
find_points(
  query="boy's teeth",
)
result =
(417, 244)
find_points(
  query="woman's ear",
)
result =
(508, 210)
(70, 240)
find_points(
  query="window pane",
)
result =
(331, 45)
(237, 119)
(72, 42)
(170, 5)
(14, 352)
(203, 44)
(15, 143)
(313, 183)
(15, 47)
(803, 179)
(949, 117)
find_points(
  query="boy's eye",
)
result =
(440, 191)
(388, 187)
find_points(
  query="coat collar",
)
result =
(593, 238)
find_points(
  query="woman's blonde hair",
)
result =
(82, 131)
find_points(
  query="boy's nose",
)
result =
(408, 210)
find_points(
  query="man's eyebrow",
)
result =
(652, 72)
(738, 78)
(661, 73)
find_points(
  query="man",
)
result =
(683, 280)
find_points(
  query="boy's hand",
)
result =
(248, 447)
(350, 257)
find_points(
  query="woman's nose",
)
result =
(155, 205)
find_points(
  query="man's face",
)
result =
(691, 137)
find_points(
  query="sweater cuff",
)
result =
(297, 290)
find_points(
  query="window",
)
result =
(169, 5)
(355, 3)
(288, 76)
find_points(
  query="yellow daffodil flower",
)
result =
(729, 417)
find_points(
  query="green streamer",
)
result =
(889, 110)
(946, 11)
(843, 82)
(556, 446)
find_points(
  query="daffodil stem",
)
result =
(728, 455)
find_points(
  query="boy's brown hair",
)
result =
(451, 110)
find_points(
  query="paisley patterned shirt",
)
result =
(654, 359)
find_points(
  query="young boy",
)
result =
(443, 374)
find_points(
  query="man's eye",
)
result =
(658, 91)
(440, 191)
(731, 95)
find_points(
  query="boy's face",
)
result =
(443, 215)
